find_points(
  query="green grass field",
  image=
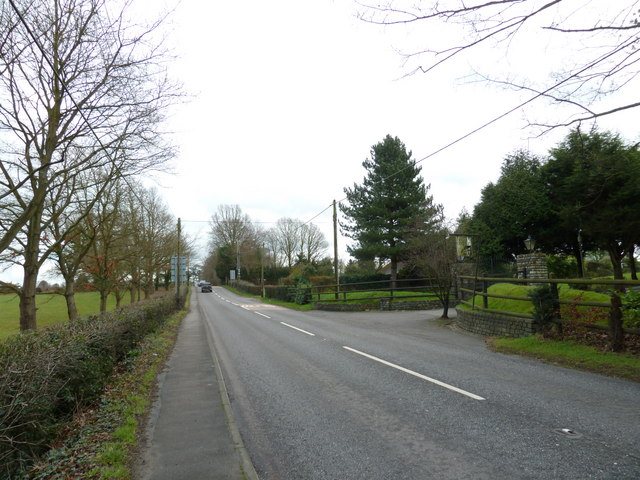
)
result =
(361, 297)
(526, 307)
(52, 309)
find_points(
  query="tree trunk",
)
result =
(394, 274)
(103, 301)
(579, 263)
(28, 300)
(632, 261)
(69, 296)
(30, 278)
(119, 294)
(615, 254)
(445, 306)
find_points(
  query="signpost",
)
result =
(179, 270)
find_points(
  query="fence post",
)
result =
(616, 334)
(485, 290)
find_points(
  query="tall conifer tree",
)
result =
(389, 205)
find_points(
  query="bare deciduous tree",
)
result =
(72, 236)
(597, 45)
(287, 232)
(229, 226)
(313, 243)
(81, 88)
(108, 249)
(156, 236)
(234, 230)
(432, 253)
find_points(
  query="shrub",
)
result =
(562, 266)
(583, 314)
(47, 375)
(545, 305)
(631, 309)
(278, 292)
(302, 293)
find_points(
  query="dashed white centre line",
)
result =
(262, 315)
(299, 329)
(416, 374)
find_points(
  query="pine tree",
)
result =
(388, 206)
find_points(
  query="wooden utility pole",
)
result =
(262, 269)
(178, 266)
(335, 249)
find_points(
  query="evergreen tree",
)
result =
(388, 206)
(593, 184)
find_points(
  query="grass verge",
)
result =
(571, 354)
(101, 441)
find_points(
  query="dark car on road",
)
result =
(206, 287)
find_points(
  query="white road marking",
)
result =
(262, 306)
(299, 329)
(262, 315)
(416, 374)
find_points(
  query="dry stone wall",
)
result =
(494, 325)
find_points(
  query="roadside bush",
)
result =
(302, 292)
(47, 375)
(278, 292)
(631, 309)
(545, 306)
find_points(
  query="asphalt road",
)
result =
(381, 395)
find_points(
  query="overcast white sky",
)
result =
(288, 96)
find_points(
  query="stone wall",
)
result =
(532, 265)
(395, 305)
(383, 305)
(346, 307)
(494, 325)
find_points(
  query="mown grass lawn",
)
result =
(52, 309)
(571, 354)
(525, 306)
(374, 295)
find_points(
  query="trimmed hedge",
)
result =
(47, 375)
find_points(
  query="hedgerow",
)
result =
(47, 375)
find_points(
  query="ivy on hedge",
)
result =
(45, 376)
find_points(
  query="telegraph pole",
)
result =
(178, 266)
(335, 249)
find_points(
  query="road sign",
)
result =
(182, 268)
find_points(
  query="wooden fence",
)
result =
(341, 292)
(474, 286)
